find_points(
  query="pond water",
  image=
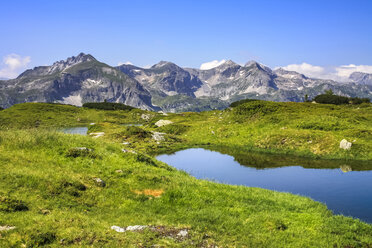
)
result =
(132, 124)
(346, 188)
(75, 130)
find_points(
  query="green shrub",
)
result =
(175, 129)
(95, 128)
(356, 100)
(64, 186)
(107, 106)
(11, 205)
(338, 100)
(240, 102)
(133, 131)
(41, 238)
(80, 152)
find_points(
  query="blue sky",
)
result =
(276, 33)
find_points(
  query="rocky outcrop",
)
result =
(74, 81)
(346, 145)
(361, 78)
(164, 79)
(161, 123)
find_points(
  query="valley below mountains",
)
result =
(168, 87)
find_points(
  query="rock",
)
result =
(183, 233)
(161, 123)
(128, 228)
(345, 168)
(157, 136)
(119, 171)
(6, 228)
(126, 143)
(145, 117)
(344, 144)
(131, 151)
(135, 228)
(99, 182)
(118, 229)
(82, 149)
(45, 211)
(97, 135)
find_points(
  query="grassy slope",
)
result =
(36, 170)
(305, 129)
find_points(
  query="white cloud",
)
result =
(338, 73)
(306, 69)
(125, 63)
(344, 71)
(13, 65)
(211, 64)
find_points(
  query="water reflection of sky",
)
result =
(75, 130)
(345, 193)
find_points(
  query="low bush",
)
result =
(175, 129)
(80, 152)
(107, 106)
(11, 205)
(136, 132)
(338, 100)
(240, 102)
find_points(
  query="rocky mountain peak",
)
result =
(257, 66)
(161, 64)
(229, 64)
(289, 74)
(361, 78)
(71, 61)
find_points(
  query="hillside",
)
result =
(50, 193)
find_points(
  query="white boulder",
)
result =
(346, 145)
(161, 123)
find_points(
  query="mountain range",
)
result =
(167, 86)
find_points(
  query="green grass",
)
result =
(49, 193)
(65, 206)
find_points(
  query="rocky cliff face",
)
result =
(361, 78)
(164, 79)
(74, 81)
(167, 86)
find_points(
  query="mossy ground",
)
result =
(62, 205)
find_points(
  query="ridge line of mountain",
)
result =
(167, 86)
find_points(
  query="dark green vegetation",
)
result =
(50, 193)
(107, 106)
(329, 98)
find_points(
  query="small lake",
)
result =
(132, 125)
(346, 188)
(75, 130)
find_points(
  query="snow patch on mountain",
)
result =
(73, 100)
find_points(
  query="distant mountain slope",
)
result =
(164, 78)
(167, 86)
(74, 81)
(361, 78)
